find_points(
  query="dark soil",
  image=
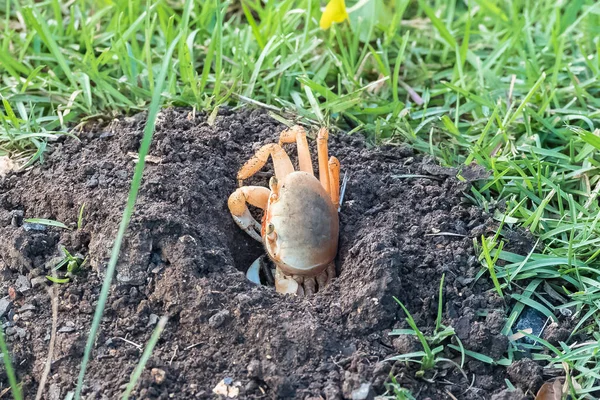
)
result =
(405, 222)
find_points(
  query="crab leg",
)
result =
(323, 155)
(255, 195)
(298, 134)
(334, 180)
(281, 162)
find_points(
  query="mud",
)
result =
(405, 222)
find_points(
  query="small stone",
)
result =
(92, 183)
(17, 218)
(26, 307)
(39, 281)
(404, 344)
(158, 375)
(152, 320)
(121, 174)
(4, 306)
(364, 392)
(66, 329)
(254, 369)
(26, 316)
(22, 284)
(508, 394)
(10, 331)
(35, 272)
(21, 333)
(85, 307)
(218, 319)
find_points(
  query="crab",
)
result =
(300, 224)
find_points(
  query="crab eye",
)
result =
(270, 229)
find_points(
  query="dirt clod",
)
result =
(526, 374)
(508, 394)
(405, 221)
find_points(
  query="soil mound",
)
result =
(405, 221)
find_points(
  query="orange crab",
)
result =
(300, 224)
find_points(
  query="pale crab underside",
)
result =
(300, 224)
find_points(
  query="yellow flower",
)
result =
(334, 12)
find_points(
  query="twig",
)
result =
(344, 183)
(445, 234)
(191, 346)
(139, 346)
(48, 366)
(257, 103)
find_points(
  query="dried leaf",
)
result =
(149, 158)
(550, 391)
(519, 335)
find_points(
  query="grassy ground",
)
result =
(512, 86)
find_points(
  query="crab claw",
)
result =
(285, 284)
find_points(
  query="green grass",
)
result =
(512, 86)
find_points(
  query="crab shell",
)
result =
(300, 227)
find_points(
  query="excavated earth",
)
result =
(405, 222)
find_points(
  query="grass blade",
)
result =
(47, 222)
(145, 357)
(12, 379)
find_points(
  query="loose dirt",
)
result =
(405, 222)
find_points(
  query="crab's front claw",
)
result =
(286, 284)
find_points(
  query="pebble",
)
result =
(26, 307)
(68, 327)
(254, 369)
(22, 284)
(152, 320)
(85, 307)
(39, 281)
(92, 183)
(26, 316)
(364, 392)
(17, 218)
(4, 306)
(21, 333)
(158, 375)
(218, 319)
